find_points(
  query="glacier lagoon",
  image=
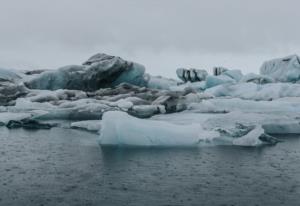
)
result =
(105, 132)
(68, 167)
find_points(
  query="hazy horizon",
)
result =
(162, 35)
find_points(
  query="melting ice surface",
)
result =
(210, 122)
(118, 128)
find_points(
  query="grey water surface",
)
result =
(68, 167)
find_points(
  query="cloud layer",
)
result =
(163, 34)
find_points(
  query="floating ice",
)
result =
(99, 71)
(256, 78)
(285, 69)
(158, 82)
(255, 91)
(5, 117)
(118, 128)
(9, 75)
(212, 81)
(90, 125)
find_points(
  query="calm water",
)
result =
(67, 167)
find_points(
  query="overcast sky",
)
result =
(161, 34)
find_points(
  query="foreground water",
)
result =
(67, 167)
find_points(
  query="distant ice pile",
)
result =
(127, 106)
(285, 69)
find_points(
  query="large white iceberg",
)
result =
(121, 129)
(285, 69)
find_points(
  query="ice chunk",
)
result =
(123, 104)
(9, 75)
(212, 81)
(145, 111)
(158, 82)
(197, 86)
(10, 91)
(234, 74)
(250, 139)
(256, 92)
(285, 69)
(90, 125)
(205, 107)
(99, 71)
(258, 79)
(5, 117)
(48, 96)
(118, 128)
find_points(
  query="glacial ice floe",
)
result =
(116, 98)
(99, 71)
(285, 69)
(90, 125)
(120, 129)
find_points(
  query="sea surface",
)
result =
(68, 167)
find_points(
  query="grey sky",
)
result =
(161, 34)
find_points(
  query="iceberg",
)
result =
(10, 91)
(89, 125)
(118, 128)
(115, 96)
(121, 129)
(99, 71)
(9, 75)
(158, 82)
(285, 69)
(5, 117)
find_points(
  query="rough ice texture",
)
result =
(256, 78)
(285, 69)
(256, 91)
(99, 71)
(9, 75)
(119, 128)
(237, 109)
(212, 81)
(276, 117)
(5, 117)
(158, 82)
